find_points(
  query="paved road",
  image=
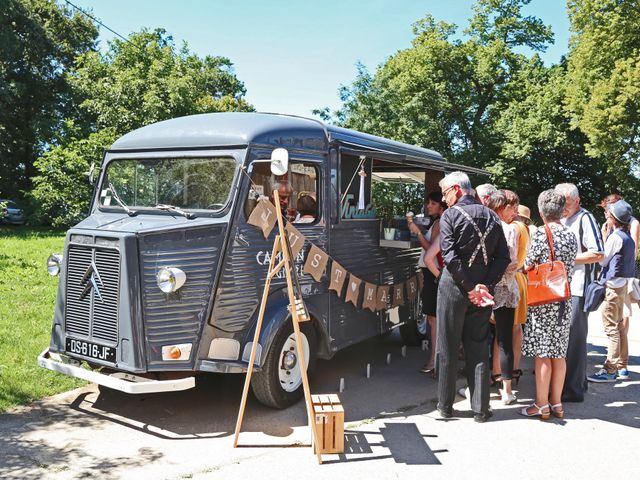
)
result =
(392, 430)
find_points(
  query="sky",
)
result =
(293, 56)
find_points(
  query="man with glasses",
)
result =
(475, 255)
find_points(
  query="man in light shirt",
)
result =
(590, 251)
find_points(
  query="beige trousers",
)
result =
(612, 314)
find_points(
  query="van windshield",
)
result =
(186, 183)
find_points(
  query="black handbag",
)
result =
(594, 295)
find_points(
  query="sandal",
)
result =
(557, 410)
(496, 380)
(515, 376)
(540, 411)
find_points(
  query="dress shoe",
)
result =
(483, 417)
(445, 413)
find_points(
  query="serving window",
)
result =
(298, 191)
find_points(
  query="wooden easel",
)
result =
(298, 314)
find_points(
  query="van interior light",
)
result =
(54, 263)
(170, 279)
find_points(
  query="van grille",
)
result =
(92, 313)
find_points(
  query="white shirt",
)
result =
(591, 241)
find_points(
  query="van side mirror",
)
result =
(279, 161)
(90, 176)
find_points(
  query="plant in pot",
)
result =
(385, 201)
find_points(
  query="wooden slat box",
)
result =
(329, 418)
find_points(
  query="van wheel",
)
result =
(279, 383)
(414, 329)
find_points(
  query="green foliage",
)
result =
(477, 101)
(443, 92)
(147, 79)
(604, 74)
(138, 82)
(28, 295)
(396, 199)
(39, 41)
(62, 189)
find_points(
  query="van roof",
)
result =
(265, 129)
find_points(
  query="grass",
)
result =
(27, 300)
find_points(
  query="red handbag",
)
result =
(547, 282)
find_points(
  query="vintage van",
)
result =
(163, 279)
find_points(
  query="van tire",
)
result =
(267, 384)
(414, 329)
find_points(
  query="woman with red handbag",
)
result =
(546, 332)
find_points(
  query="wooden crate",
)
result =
(329, 417)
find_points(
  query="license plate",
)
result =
(91, 350)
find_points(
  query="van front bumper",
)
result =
(125, 382)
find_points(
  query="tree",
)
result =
(39, 41)
(603, 97)
(62, 189)
(137, 82)
(539, 148)
(447, 93)
(146, 79)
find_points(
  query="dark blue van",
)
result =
(163, 279)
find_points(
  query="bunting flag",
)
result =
(382, 297)
(369, 300)
(398, 294)
(316, 262)
(375, 297)
(338, 276)
(263, 217)
(412, 289)
(353, 290)
(296, 239)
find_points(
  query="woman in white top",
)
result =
(507, 294)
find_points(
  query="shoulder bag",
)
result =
(547, 282)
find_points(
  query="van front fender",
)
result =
(276, 313)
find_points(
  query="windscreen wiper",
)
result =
(116, 197)
(171, 208)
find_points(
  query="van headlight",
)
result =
(170, 279)
(54, 262)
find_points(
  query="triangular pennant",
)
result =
(338, 276)
(296, 240)
(316, 261)
(263, 217)
(353, 289)
(369, 300)
(398, 294)
(412, 289)
(382, 297)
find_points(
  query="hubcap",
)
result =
(289, 367)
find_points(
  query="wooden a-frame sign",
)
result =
(298, 314)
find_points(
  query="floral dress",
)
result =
(546, 332)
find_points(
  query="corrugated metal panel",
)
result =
(245, 270)
(356, 248)
(177, 317)
(90, 314)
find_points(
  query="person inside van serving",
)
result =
(307, 209)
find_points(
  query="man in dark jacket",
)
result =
(475, 255)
